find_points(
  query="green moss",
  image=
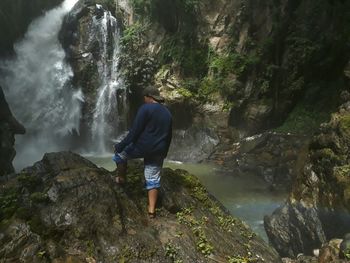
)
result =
(232, 62)
(39, 197)
(186, 217)
(126, 255)
(28, 181)
(207, 87)
(9, 202)
(304, 120)
(24, 213)
(344, 125)
(342, 171)
(187, 52)
(90, 248)
(172, 251)
(327, 159)
(242, 259)
(132, 35)
(185, 92)
(36, 225)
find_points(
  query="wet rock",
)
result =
(202, 139)
(318, 207)
(270, 155)
(9, 126)
(91, 219)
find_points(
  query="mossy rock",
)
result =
(344, 125)
(327, 157)
(109, 223)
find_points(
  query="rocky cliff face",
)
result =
(262, 60)
(318, 208)
(271, 59)
(9, 126)
(64, 209)
(273, 156)
(15, 16)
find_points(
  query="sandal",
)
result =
(119, 180)
(151, 215)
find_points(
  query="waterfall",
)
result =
(37, 85)
(111, 93)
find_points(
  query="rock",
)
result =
(202, 139)
(344, 247)
(329, 252)
(294, 228)
(318, 207)
(9, 126)
(272, 156)
(91, 219)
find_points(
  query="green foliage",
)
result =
(344, 125)
(172, 251)
(132, 35)
(202, 242)
(303, 120)
(186, 217)
(303, 49)
(149, 8)
(240, 259)
(28, 181)
(90, 248)
(343, 173)
(185, 51)
(326, 158)
(185, 92)
(233, 63)
(190, 5)
(142, 7)
(39, 197)
(8, 202)
(208, 86)
(224, 71)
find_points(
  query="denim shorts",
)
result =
(152, 165)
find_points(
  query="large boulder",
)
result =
(65, 209)
(318, 208)
(9, 126)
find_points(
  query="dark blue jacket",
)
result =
(151, 131)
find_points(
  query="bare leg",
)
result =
(121, 172)
(152, 200)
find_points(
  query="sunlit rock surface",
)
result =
(64, 208)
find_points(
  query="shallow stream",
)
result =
(246, 197)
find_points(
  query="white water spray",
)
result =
(105, 117)
(37, 85)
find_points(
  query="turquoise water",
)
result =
(246, 197)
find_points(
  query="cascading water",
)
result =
(105, 121)
(37, 85)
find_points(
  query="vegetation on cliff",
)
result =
(263, 64)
